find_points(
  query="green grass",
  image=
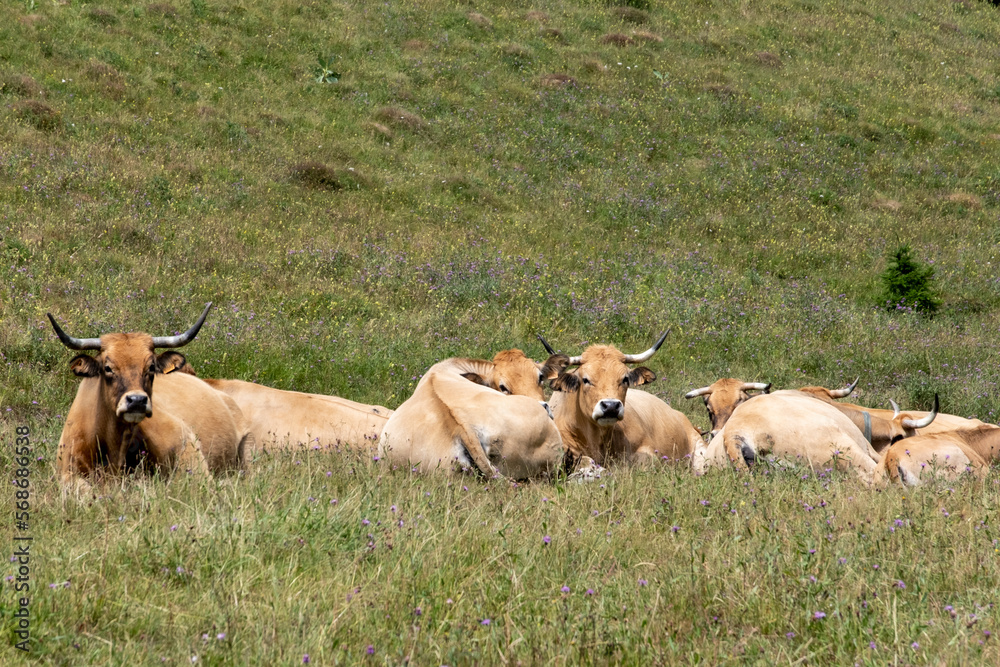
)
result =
(468, 182)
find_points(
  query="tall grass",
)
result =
(477, 175)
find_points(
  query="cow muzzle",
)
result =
(134, 407)
(609, 411)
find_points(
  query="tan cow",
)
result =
(793, 428)
(467, 414)
(112, 419)
(944, 455)
(884, 427)
(722, 396)
(281, 420)
(601, 415)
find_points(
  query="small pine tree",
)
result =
(909, 284)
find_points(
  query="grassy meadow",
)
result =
(363, 189)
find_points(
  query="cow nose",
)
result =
(610, 407)
(135, 403)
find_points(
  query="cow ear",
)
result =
(553, 366)
(475, 377)
(85, 366)
(170, 361)
(641, 375)
(568, 382)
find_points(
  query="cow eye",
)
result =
(625, 380)
(107, 369)
(541, 378)
(504, 389)
(586, 381)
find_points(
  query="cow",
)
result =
(281, 419)
(112, 419)
(489, 417)
(792, 427)
(883, 427)
(722, 396)
(944, 455)
(600, 414)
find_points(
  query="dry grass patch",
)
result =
(40, 115)
(31, 19)
(479, 20)
(161, 9)
(554, 34)
(647, 36)
(617, 39)
(631, 15)
(593, 65)
(556, 79)
(768, 59)
(414, 45)
(401, 119)
(21, 85)
(535, 15)
(102, 16)
(516, 51)
(723, 91)
(381, 131)
(964, 199)
(111, 82)
(886, 204)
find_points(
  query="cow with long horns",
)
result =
(601, 414)
(489, 417)
(883, 427)
(722, 396)
(113, 417)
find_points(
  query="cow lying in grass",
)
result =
(114, 419)
(941, 455)
(485, 416)
(601, 415)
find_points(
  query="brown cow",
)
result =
(112, 419)
(489, 417)
(601, 415)
(883, 427)
(943, 455)
(282, 419)
(722, 396)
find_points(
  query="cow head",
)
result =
(722, 396)
(127, 364)
(515, 374)
(602, 379)
(830, 395)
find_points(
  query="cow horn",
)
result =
(895, 408)
(187, 336)
(926, 421)
(694, 393)
(639, 358)
(548, 348)
(846, 391)
(74, 343)
(763, 386)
